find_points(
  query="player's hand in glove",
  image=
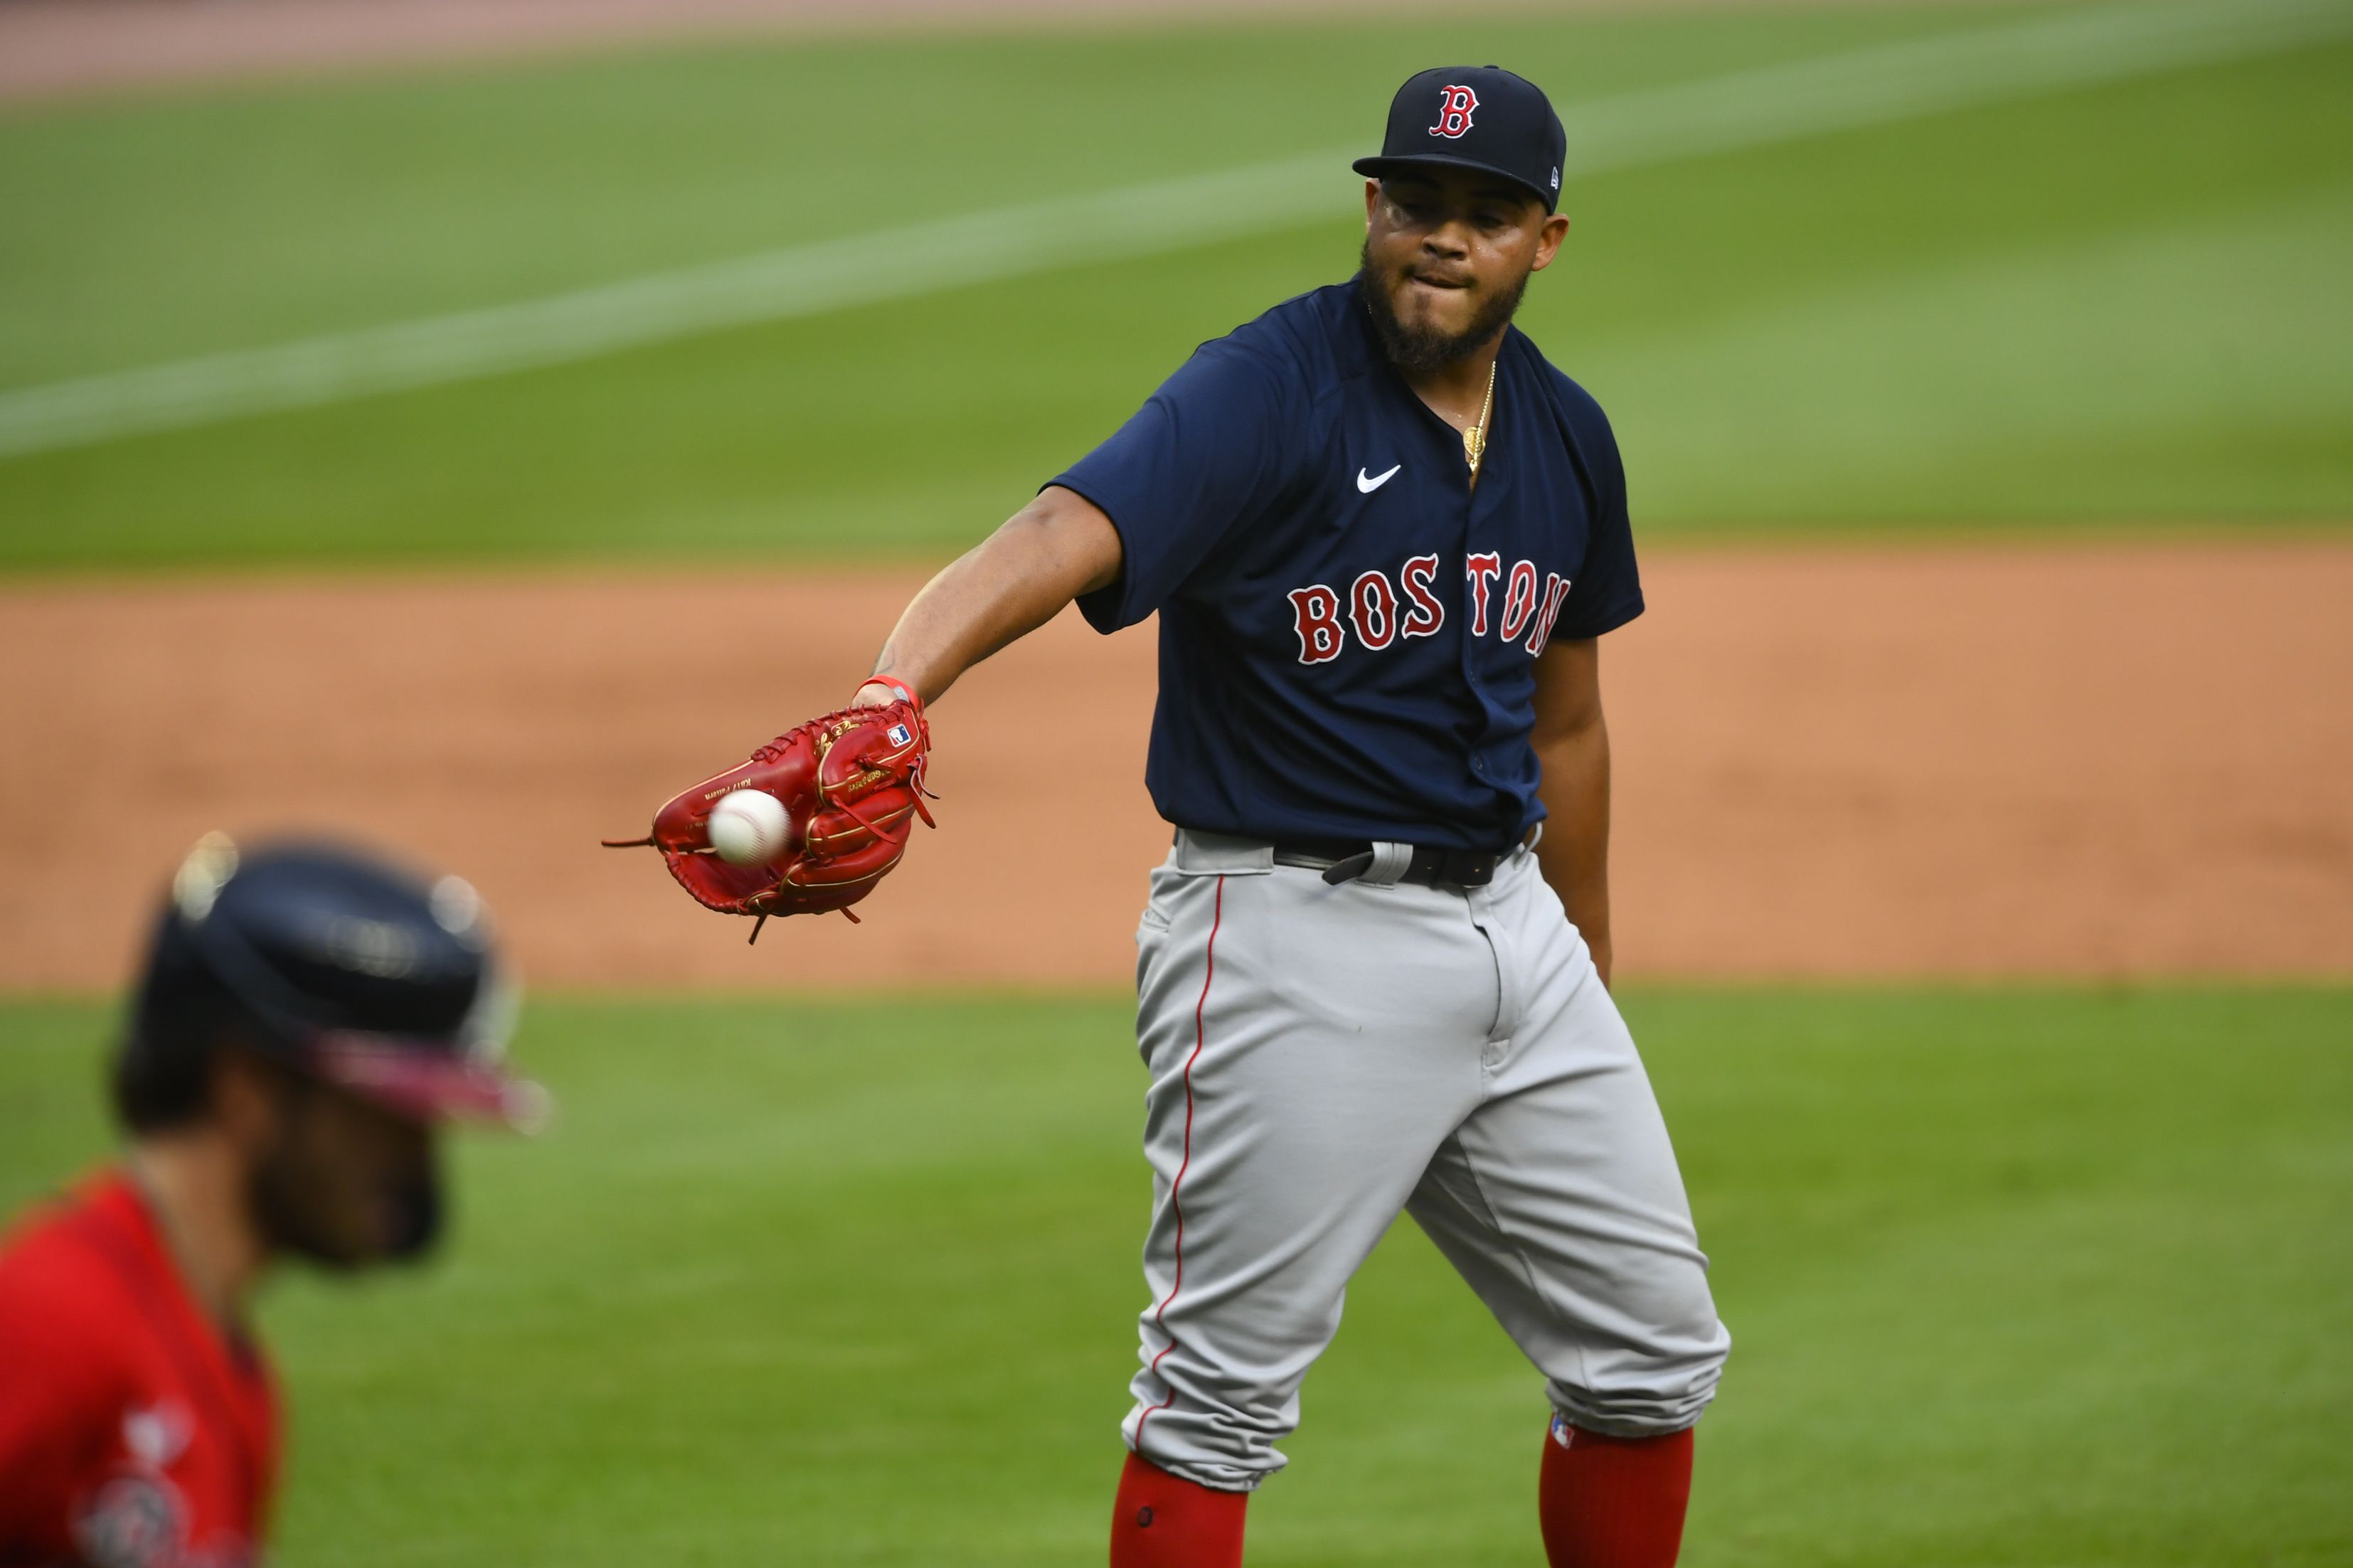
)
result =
(851, 784)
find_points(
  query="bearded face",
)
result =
(344, 1182)
(1447, 257)
(1426, 340)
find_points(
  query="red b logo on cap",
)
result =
(1454, 107)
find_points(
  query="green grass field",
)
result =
(2050, 1277)
(2114, 304)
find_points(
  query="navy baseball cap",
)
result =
(342, 966)
(1474, 117)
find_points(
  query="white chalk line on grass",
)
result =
(1864, 86)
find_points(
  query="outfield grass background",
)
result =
(2055, 1277)
(2111, 307)
(2042, 1276)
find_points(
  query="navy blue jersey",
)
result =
(1348, 631)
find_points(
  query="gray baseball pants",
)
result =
(1323, 1058)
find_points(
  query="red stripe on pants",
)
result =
(1177, 1187)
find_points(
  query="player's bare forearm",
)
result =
(1572, 745)
(1015, 581)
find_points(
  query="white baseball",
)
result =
(747, 827)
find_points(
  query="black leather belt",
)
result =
(1344, 862)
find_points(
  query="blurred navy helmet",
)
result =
(334, 963)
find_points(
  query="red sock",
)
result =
(1163, 1521)
(1613, 1503)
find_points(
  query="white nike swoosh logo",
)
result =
(1367, 487)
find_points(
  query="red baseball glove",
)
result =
(851, 783)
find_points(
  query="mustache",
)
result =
(1442, 278)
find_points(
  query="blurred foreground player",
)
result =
(306, 1018)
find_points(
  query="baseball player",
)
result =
(306, 1016)
(1382, 535)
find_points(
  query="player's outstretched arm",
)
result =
(1058, 547)
(1572, 745)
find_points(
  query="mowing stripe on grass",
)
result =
(1863, 87)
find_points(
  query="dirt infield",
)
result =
(1831, 762)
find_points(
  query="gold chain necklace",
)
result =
(1474, 439)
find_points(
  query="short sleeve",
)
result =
(1203, 454)
(1607, 591)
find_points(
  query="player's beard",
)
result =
(286, 1207)
(1424, 350)
(309, 1203)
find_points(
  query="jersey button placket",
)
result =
(1490, 487)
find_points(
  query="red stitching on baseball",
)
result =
(1177, 1187)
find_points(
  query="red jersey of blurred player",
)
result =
(133, 1429)
(307, 1017)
